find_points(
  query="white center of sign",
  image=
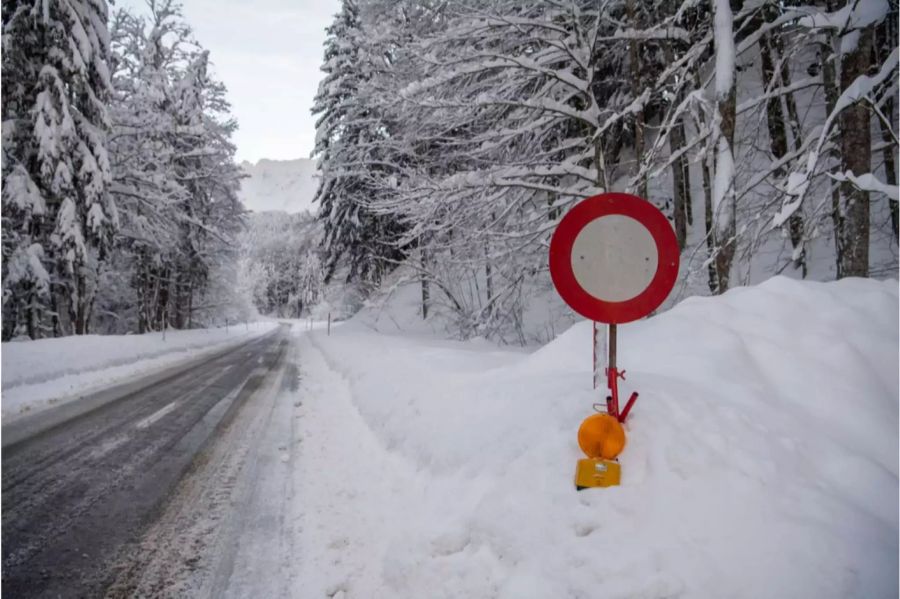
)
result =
(614, 258)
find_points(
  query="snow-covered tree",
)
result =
(175, 174)
(349, 133)
(483, 121)
(59, 218)
(282, 263)
(724, 202)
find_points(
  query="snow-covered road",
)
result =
(229, 528)
(40, 375)
(77, 498)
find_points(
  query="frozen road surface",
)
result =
(146, 494)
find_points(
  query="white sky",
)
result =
(268, 53)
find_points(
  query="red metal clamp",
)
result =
(612, 400)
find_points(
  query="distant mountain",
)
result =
(286, 185)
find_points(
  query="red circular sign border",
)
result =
(578, 217)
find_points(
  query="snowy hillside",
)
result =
(761, 457)
(285, 185)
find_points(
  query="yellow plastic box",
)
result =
(597, 473)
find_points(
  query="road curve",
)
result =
(75, 497)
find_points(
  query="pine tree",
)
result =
(347, 130)
(60, 218)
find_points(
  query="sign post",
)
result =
(613, 259)
(599, 354)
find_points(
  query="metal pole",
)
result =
(612, 376)
(612, 346)
(329, 323)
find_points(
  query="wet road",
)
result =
(80, 495)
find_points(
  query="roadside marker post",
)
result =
(600, 345)
(613, 259)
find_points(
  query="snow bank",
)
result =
(761, 458)
(38, 374)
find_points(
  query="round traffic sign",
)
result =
(614, 258)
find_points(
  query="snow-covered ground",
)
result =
(47, 372)
(761, 459)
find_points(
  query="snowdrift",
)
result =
(761, 459)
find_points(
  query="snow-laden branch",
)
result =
(862, 86)
(868, 182)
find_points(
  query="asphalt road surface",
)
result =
(79, 498)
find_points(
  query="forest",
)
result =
(120, 209)
(452, 136)
(450, 139)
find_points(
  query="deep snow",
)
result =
(761, 459)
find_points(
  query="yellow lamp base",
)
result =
(597, 473)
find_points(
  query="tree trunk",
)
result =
(795, 222)
(32, 315)
(681, 176)
(724, 225)
(831, 96)
(890, 169)
(162, 304)
(856, 156)
(778, 141)
(89, 316)
(885, 42)
(708, 209)
(81, 302)
(60, 311)
(179, 300)
(634, 61)
(190, 308)
(724, 192)
(488, 275)
(682, 192)
(138, 282)
(426, 292)
(600, 163)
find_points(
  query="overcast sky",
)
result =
(268, 53)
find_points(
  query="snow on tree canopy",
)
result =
(457, 136)
(20, 191)
(55, 94)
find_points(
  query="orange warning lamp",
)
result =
(601, 436)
